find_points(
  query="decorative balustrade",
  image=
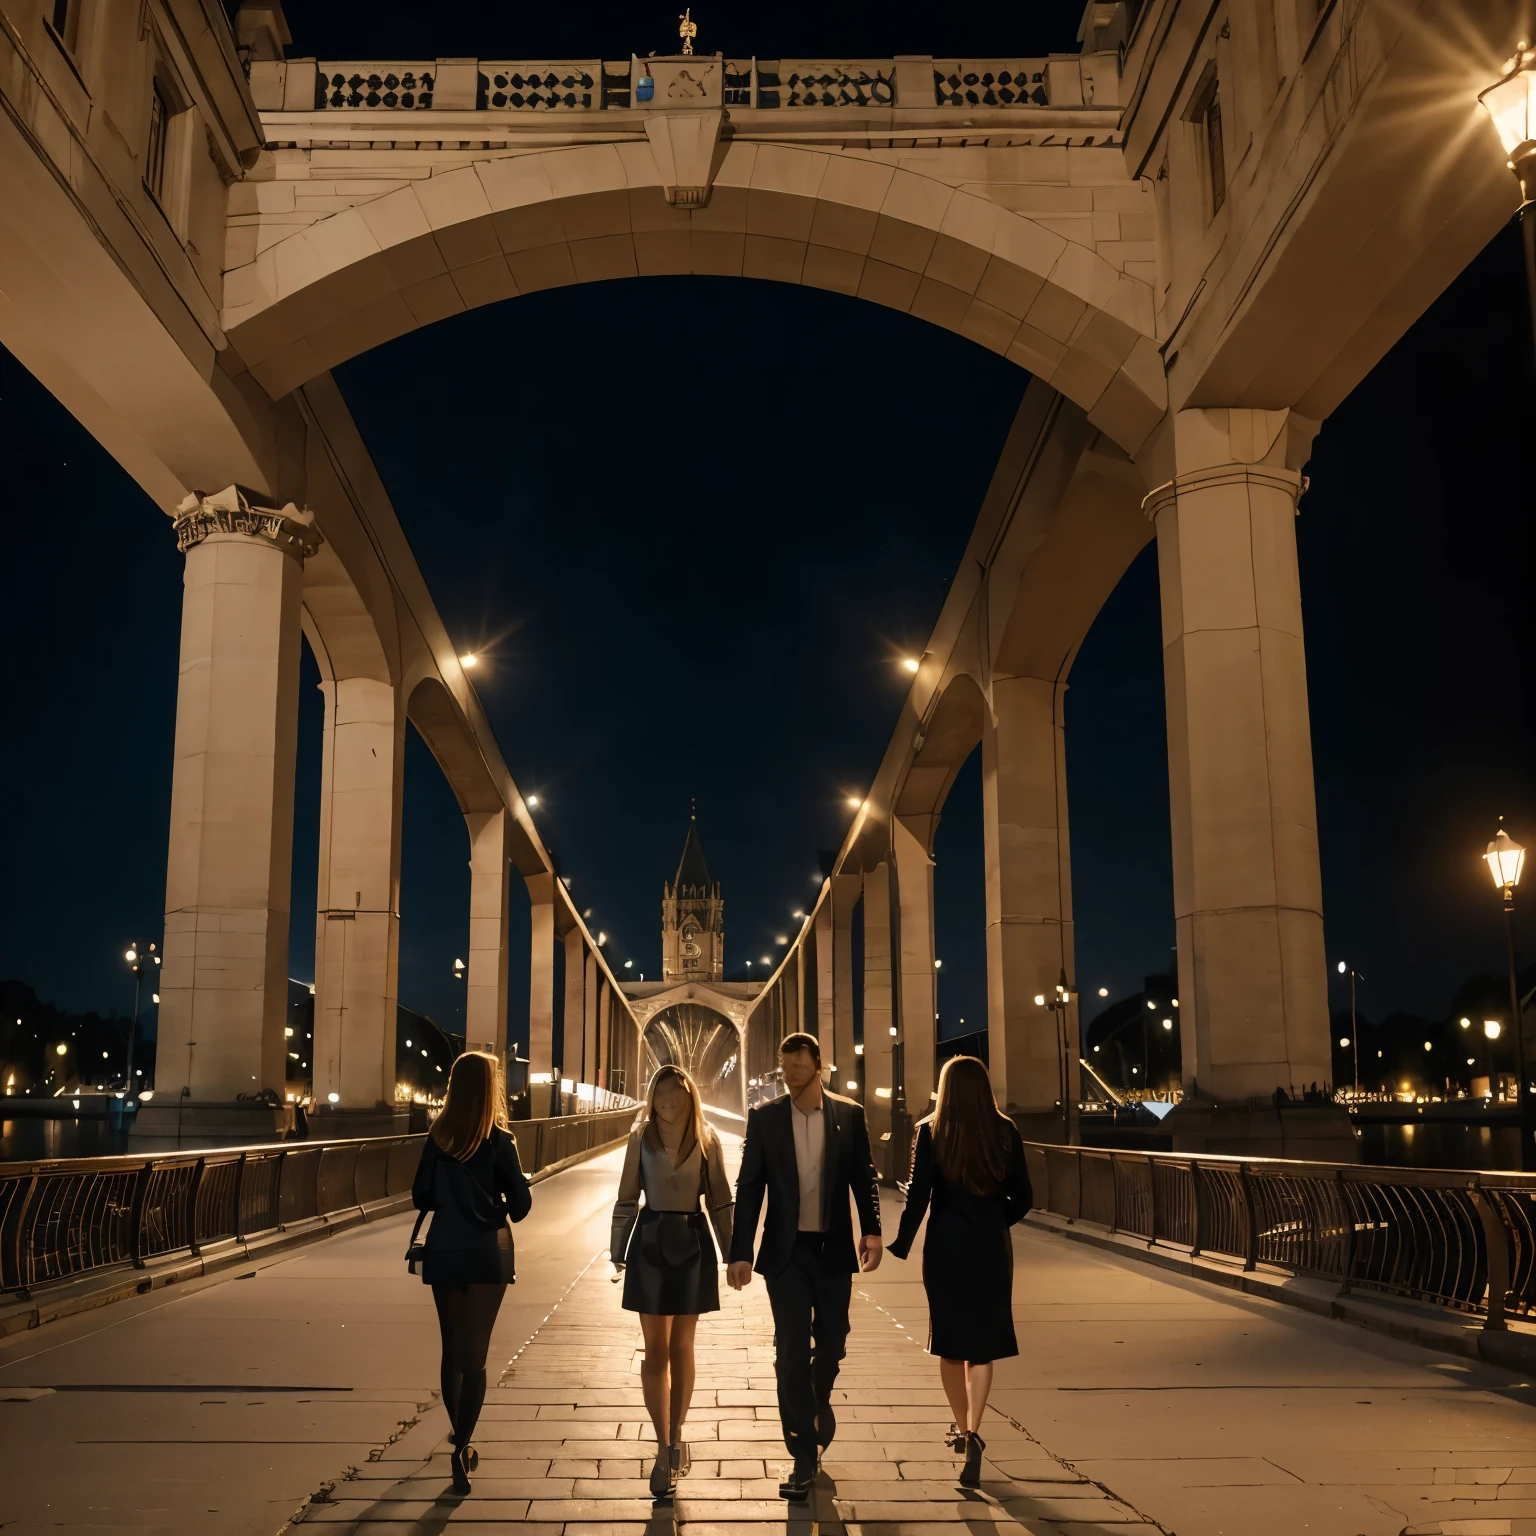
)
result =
(1461, 1240)
(63, 1219)
(590, 85)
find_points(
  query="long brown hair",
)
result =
(971, 1136)
(695, 1133)
(477, 1101)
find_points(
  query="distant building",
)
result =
(692, 918)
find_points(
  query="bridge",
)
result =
(1196, 236)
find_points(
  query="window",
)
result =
(1214, 156)
(159, 128)
(64, 18)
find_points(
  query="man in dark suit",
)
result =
(806, 1151)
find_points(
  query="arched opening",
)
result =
(706, 1045)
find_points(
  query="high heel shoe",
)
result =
(664, 1473)
(970, 1473)
(459, 1462)
(954, 1438)
(682, 1460)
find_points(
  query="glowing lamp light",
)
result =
(333, 1098)
(858, 1050)
(629, 965)
(1428, 1046)
(1103, 991)
(780, 939)
(131, 956)
(602, 938)
(1343, 1042)
(61, 1049)
(531, 801)
(1492, 1028)
(1466, 1023)
(1505, 859)
(1039, 999)
(566, 1085)
(850, 1084)
(893, 1029)
(882, 1093)
(469, 659)
(797, 914)
(1341, 967)
(909, 663)
(854, 802)
(146, 1094)
(767, 960)
(1167, 1023)
(1509, 102)
(154, 997)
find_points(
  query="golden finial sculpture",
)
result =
(687, 29)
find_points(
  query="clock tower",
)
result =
(692, 919)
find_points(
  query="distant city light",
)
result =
(781, 939)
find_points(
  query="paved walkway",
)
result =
(1140, 1402)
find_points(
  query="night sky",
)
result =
(691, 523)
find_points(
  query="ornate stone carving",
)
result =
(237, 510)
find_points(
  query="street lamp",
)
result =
(1354, 1023)
(139, 961)
(1511, 103)
(1060, 1003)
(1505, 859)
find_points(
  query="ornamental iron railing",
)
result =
(63, 1219)
(1461, 1240)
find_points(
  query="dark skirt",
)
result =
(670, 1268)
(968, 1275)
(488, 1263)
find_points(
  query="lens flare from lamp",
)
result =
(910, 663)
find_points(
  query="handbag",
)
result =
(415, 1251)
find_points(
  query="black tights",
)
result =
(465, 1316)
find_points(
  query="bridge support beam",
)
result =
(541, 986)
(919, 994)
(1033, 1049)
(846, 891)
(224, 983)
(879, 1011)
(357, 924)
(1247, 887)
(573, 1013)
(490, 890)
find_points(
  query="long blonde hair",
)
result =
(695, 1133)
(476, 1103)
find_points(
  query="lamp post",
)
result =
(1059, 1002)
(1505, 859)
(1511, 103)
(1354, 1022)
(139, 961)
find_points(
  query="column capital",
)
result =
(238, 510)
(1288, 481)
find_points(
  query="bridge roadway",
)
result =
(302, 1390)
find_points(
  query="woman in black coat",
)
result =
(470, 1179)
(969, 1177)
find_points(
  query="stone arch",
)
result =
(707, 1044)
(951, 732)
(519, 223)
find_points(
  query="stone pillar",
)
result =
(1033, 1050)
(1247, 889)
(824, 1026)
(919, 994)
(541, 975)
(485, 1001)
(846, 890)
(879, 1007)
(357, 924)
(590, 1023)
(573, 1014)
(224, 983)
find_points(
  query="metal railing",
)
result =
(63, 1219)
(1461, 1240)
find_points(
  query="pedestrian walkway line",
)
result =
(566, 1447)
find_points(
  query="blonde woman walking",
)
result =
(969, 1177)
(470, 1179)
(666, 1254)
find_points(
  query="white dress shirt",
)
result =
(810, 1131)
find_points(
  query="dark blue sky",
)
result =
(696, 587)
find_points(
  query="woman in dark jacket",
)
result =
(470, 1179)
(969, 1176)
